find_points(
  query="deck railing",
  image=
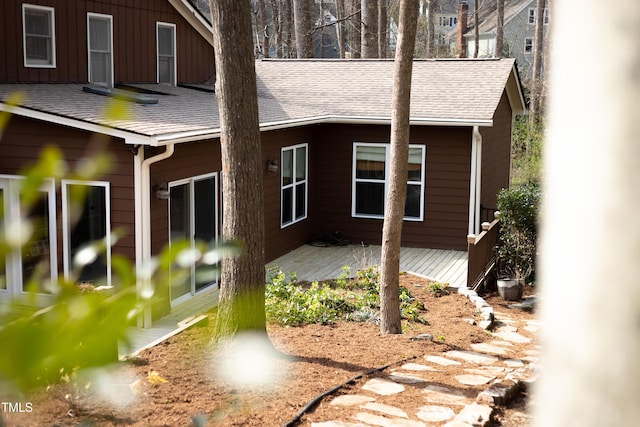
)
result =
(482, 254)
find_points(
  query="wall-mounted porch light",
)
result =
(161, 191)
(272, 166)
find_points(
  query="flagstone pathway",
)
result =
(494, 366)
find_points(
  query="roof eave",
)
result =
(194, 17)
(128, 136)
(515, 93)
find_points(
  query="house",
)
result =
(325, 128)
(519, 32)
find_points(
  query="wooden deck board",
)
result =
(324, 263)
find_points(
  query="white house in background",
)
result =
(519, 32)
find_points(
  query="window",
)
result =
(38, 25)
(533, 13)
(166, 40)
(528, 45)
(532, 16)
(371, 179)
(293, 194)
(34, 266)
(100, 43)
(86, 214)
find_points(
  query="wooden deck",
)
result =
(311, 263)
(322, 263)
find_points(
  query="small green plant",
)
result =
(343, 279)
(290, 303)
(438, 289)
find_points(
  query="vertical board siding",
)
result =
(496, 155)
(134, 42)
(24, 139)
(448, 157)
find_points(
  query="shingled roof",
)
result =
(291, 93)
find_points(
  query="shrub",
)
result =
(290, 303)
(518, 208)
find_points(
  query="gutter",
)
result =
(142, 190)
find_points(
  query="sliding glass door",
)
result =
(193, 217)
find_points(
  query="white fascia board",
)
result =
(129, 137)
(374, 120)
(194, 18)
(191, 136)
(514, 92)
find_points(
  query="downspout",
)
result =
(143, 219)
(478, 138)
(472, 184)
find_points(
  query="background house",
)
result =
(325, 128)
(519, 32)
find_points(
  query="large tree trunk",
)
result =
(340, 27)
(287, 28)
(369, 20)
(241, 306)
(302, 10)
(500, 29)
(538, 55)
(355, 23)
(395, 201)
(590, 240)
(276, 16)
(476, 30)
(262, 29)
(383, 26)
(431, 36)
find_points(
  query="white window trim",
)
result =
(110, 19)
(175, 52)
(293, 184)
(354, 180)
(65, 223)
(217, 204)
(11, 184)
(524, 49)
(546, 16)
(51, 11)
(531, 14)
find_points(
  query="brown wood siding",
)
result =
(134, 39)
(24, 138)
(188, 160)
(496, 155)
(448, 157)
(282, 240)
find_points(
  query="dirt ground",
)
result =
(170, 384)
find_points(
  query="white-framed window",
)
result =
(166, 52)
(86, 222)
(38, 32)
(294, 161)
(194, 215)
(528, 45)
(531, 17)
(33, 267)
(371, 180)
(100, 48)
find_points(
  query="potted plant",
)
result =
(517, 244)
(515, 263)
